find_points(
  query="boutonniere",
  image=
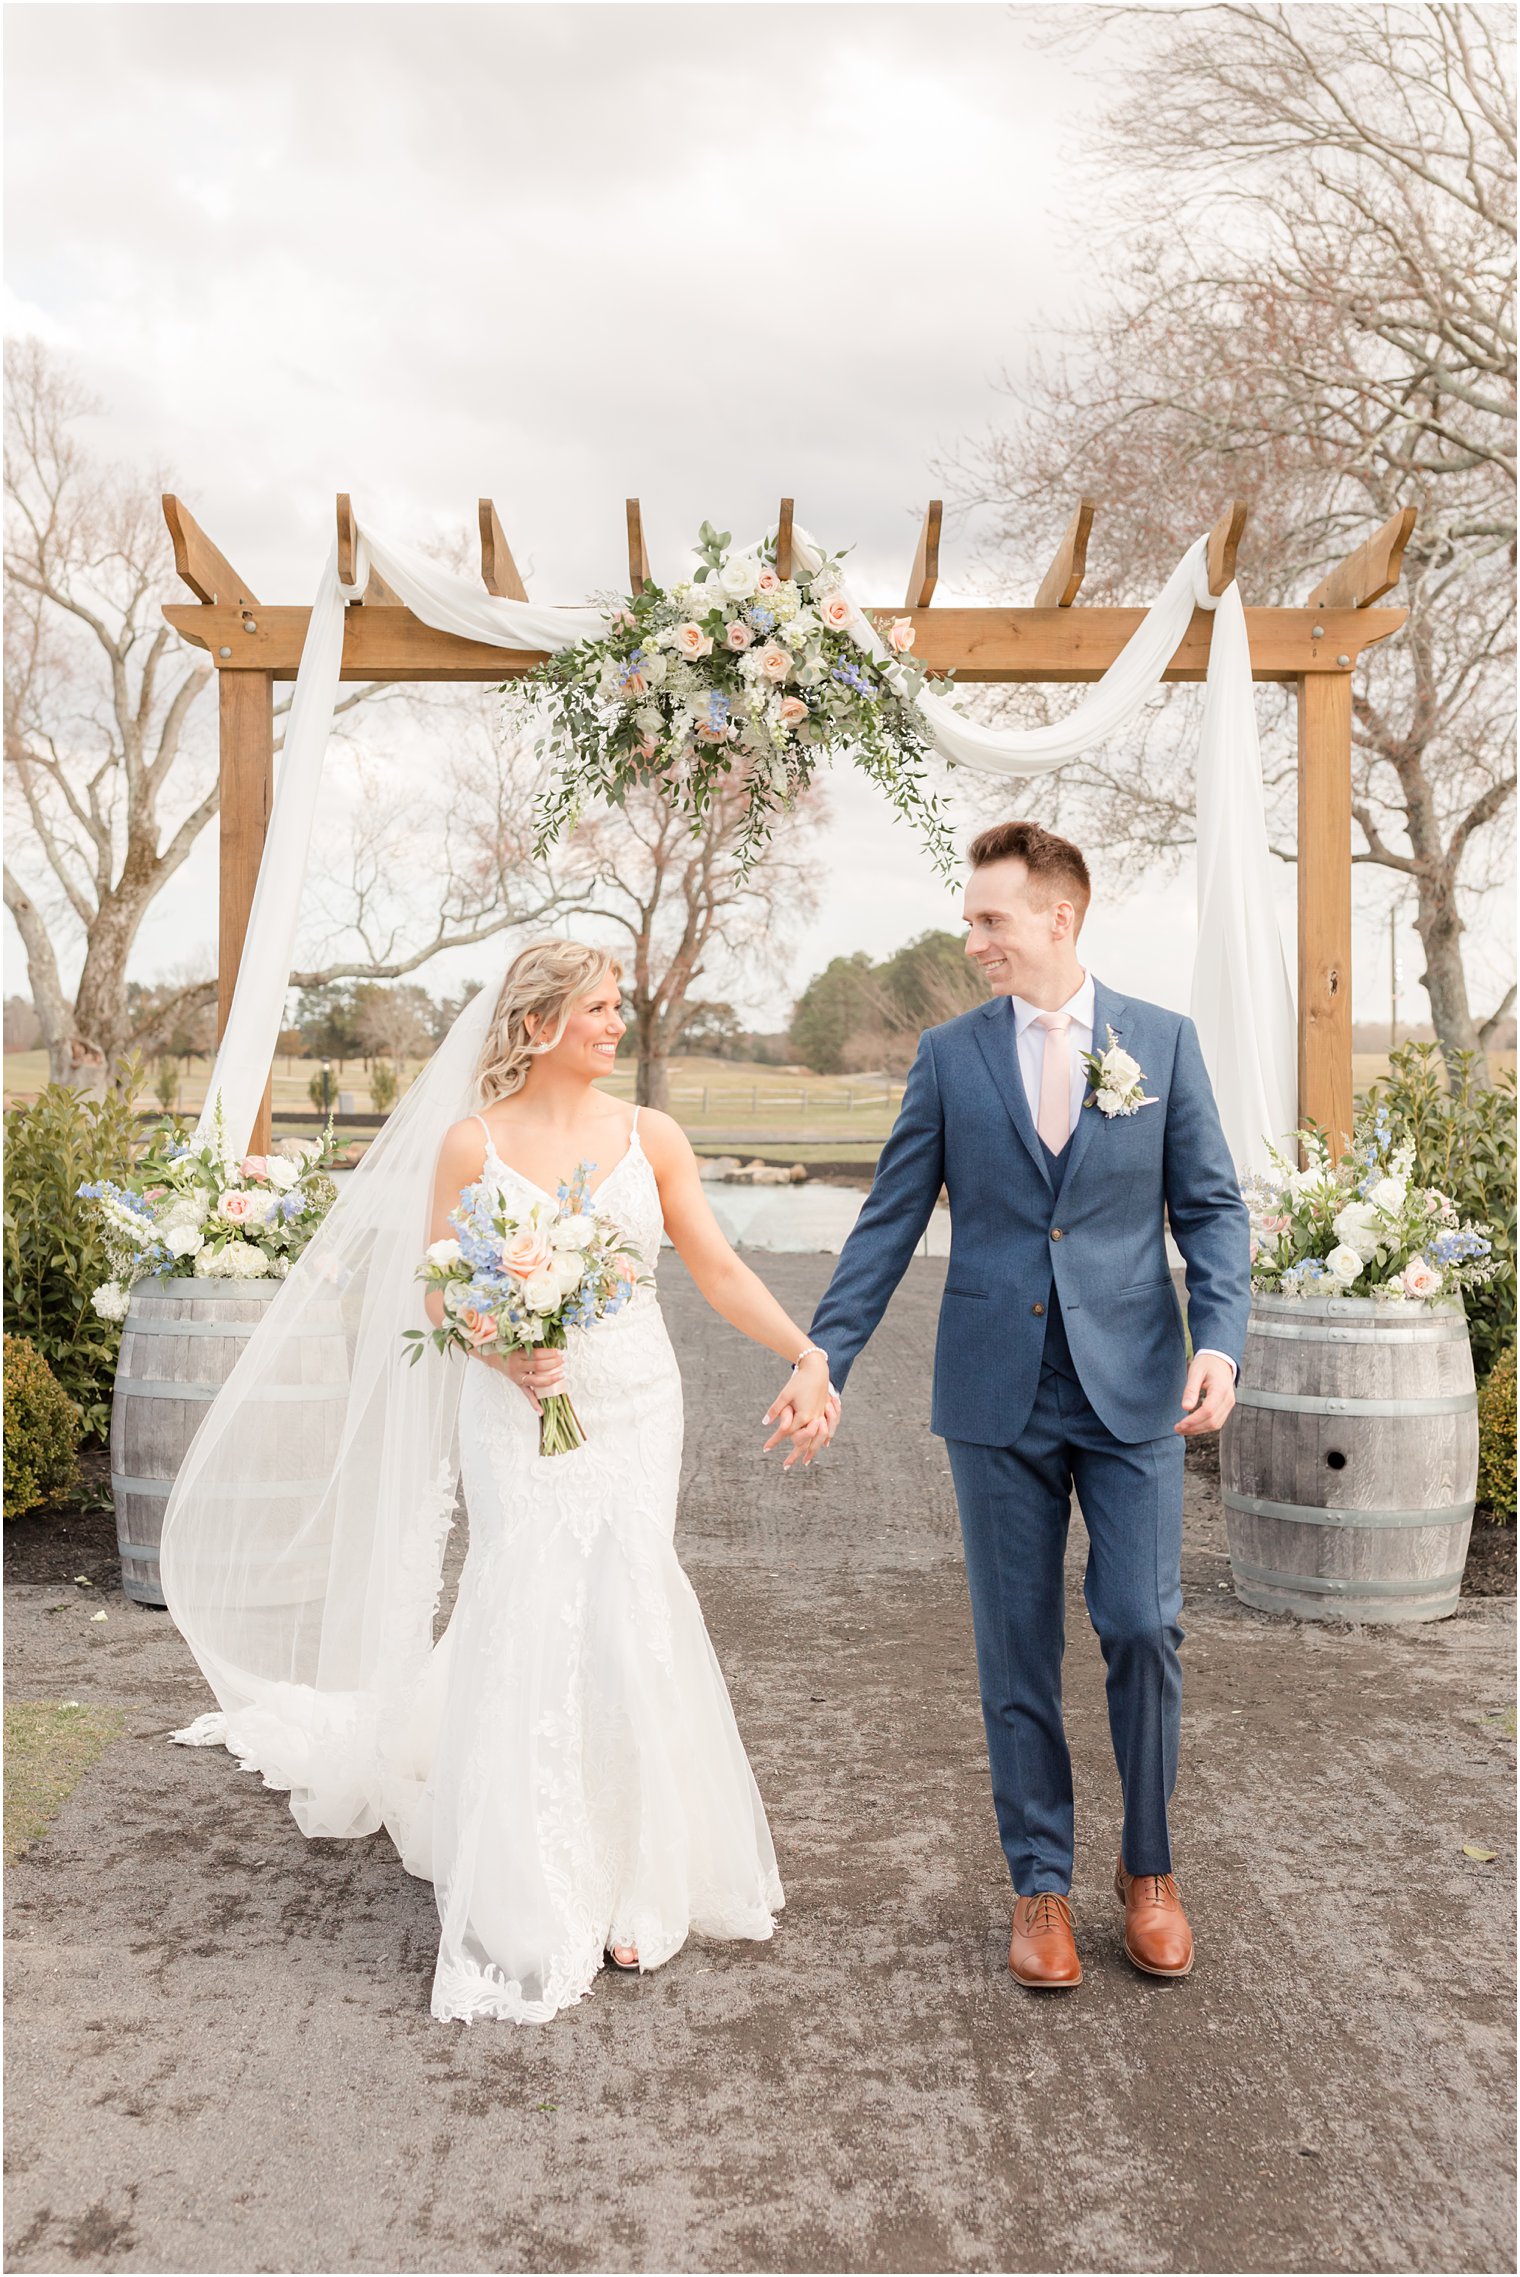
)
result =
(1118, 1083)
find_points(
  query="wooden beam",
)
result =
(498, 570)
(246, 704)
(1224, 544)
(638, 552)
(784, 539)
(1062, 581)
(1373, 570)
(1324, 904)
(348, 538)
(207, 571)
(924, 575)
(980, 644)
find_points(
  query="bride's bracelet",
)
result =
(823, 1356)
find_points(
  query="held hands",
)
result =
(1207, 1396)
(806, 1410)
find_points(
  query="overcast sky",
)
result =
(561, 255)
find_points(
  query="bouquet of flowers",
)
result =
(515, 1278)
(198, 1210)
(740, 673)
(1363, 1226)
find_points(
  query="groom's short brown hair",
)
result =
(1052, 862)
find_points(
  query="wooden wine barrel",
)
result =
(1350, 1462)
(180, 1341)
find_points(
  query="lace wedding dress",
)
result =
(586, 1783)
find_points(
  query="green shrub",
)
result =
(314, 1092)
(166, 1083)
(1463, 1135)
(1496, 1440)
(42, 1426)
(55, 1257)
(383, 1086)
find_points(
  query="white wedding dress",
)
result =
(585, 1780)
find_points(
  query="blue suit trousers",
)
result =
(1015, 1508)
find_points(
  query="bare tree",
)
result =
(111, 770)
(1325, 327)
(685, 908)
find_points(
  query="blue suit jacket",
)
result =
(1097, 1235)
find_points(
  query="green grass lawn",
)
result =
(49, 1746)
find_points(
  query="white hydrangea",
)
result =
(111, 1300)
(574, 1233)
(1355, 1226)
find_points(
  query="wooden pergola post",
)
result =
(1315, 647)
(247, 777)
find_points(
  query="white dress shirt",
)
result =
(1032, 1040)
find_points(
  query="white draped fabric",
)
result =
(1242, 997)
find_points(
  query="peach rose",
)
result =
(738, 635)
(835, 611)
(767, 582)
(691, 640)
(900, 637)
(1420, 1278)
(236, 1208)
(626, 1269)
(793, 711)
(254, 1166)
(775, 661)
(528, 1254)
(479, 1326)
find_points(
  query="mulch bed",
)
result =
(49, 1548)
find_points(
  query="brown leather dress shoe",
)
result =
(1157, 1937)
(1043, 1952)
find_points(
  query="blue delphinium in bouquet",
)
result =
(512, 1279)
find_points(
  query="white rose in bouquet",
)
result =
(568, 1267)
(738, 576)
(181, 1238)
(1388, 1195)
(443, 1252)
(541, 1292)
(1355, 1226)
(1343, 1262)
(281, 1173)
(574, 1233)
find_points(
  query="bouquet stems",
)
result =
(560, 1430)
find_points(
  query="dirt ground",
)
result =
(220, 2055)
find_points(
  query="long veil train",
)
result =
(303, 1539)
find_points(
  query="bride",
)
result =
(563, 1764)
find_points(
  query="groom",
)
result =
(1061, 1361)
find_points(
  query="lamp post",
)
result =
(327, 1087)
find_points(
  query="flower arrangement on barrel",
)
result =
(1361, 1227)
(511, 1280)
(739, 672)
(200, 1211)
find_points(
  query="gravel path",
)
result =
(220, 2056)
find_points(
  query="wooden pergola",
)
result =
(1316, 647)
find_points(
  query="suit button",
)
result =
(1037, 1308)
(1055, 1233)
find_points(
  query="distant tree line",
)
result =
(856, 1016)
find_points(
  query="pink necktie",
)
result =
(1054, 1124)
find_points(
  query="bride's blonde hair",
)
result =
(543, 984)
